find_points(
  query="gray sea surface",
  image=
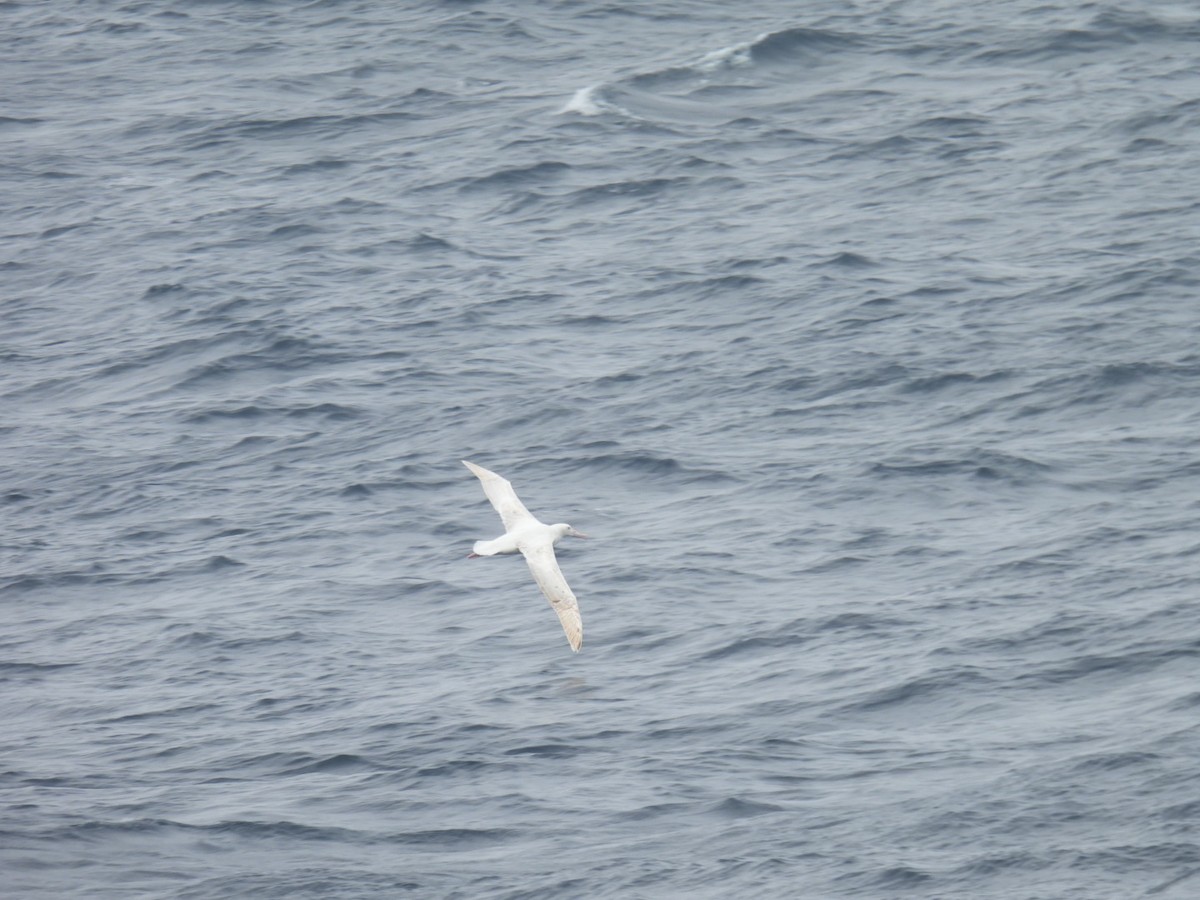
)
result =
(862, 338)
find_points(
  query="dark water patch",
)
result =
(952, 126)
(286, 232)
(325, 165)
(949, 380)
(637, 462)
(754, 645)
(1173, 120)
(1165, 853)
(286, 764)
(850, 260)
(1172, 882)
(426, 244)
(519, 176)
(453, 838)
(419, 587)
(799, 383)
(925, 688)
(283, 129)
(184, 636)
(230, 532)
(737, 808)
(25, 669)
(210, 175)
(334, 412)
(1144, 25)
(56, 580)
(1128, 663)
(96, 831)
(283, 355)
(863, 622)
(533, 415)
(259, 831)
(664, 79)
(196, 639)
(338, 764)
(593, 321)
(987, 464)
(302, 883)
(1000, 863)
(724, 285)
(16, 121)
(1120, 374)
(1146, 146)
(253, 412)
(220, 562)
(423, 95)
(270, 639)
(934, 291)
(803, 45)
(1188, 811)
(835, 564)
(123, 27)
(1116, 761)
(1041, 564)
(757, 262)
(625, 190)
(895, 148)
(647, 465)
(1059, 45)
(430, 244)
(59, 230)
(353, 205)
(901, 878)
(182, 710)
(548, 751)
(156, 291)
(653, 811)
(454, 767)
(865, 379)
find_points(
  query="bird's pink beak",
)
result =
(574, 533)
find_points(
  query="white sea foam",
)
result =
(736, 55)
(585, 102)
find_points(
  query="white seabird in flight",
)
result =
(535, 541)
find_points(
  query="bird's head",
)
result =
(565, 530)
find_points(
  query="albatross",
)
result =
(535, 541)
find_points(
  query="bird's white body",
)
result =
(529, 535)
(535, 540)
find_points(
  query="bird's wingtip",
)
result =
(479, 471)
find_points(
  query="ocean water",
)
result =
(861, 337)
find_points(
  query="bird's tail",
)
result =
(506, 543)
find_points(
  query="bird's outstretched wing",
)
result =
(503, 497)
(550, 579)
